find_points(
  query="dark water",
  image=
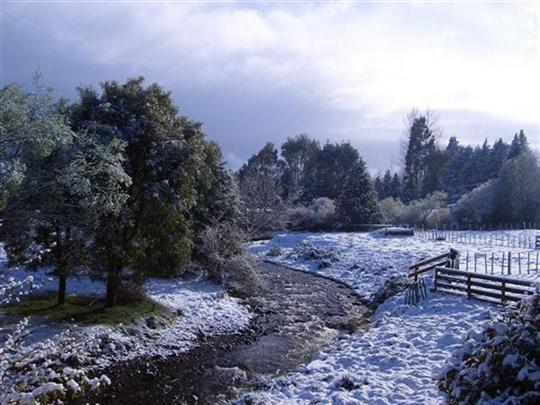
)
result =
(297, 314)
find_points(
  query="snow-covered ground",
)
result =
(366, 260)
(202, 309)
(398, 359)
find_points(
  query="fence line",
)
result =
(510, 263)
(514, 241)
(476, 226)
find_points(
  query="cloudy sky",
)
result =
(263, 71)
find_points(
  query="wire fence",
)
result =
(485, 238)
(503, 263)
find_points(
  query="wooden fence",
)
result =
(418, 290)
(514, 241)
(485, 287)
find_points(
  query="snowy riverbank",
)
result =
(399, 357)
(63, 353)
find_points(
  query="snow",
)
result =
(396, 360)
(365, 260)
(202, 309)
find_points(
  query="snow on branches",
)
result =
(499, 364)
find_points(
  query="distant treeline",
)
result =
(328, 186)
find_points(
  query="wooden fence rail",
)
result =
(481, 286)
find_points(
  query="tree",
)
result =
(498, 155)
(478, 205)
(418, 158)
(357, 203)
(394, 189)
(259, 181)
(329, 170)
(518, 190)
(217, 193)
(428, 211)
(392, 210)
(262, 208)
(163, 155)
(297, 154)
(519, 145)
(67, 183)
(378, 186)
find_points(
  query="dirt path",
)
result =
(297, 314)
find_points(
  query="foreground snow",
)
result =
(201, 308)
(397, 359)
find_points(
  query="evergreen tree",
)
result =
(386, 184)
(69, 181)
(519, 145)
(498, 155)
(357, 203)
(163, 156)
(395, 186)
(420, 148)
(378, 186)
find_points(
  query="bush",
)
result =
(130, 292)
(392, 210)
(220, 251)
(429, 211)
(319, 215)
(500, 364)
(476, 206)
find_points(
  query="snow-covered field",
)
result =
(203, 309)
(398, 359)
(366, 260)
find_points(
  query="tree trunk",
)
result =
(62, 289)
(113, 282)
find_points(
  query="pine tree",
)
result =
(357, 203)
(519, 145)
(421, 146)
(386, 185)
(498, 155)
(378, 186)
(395, 186)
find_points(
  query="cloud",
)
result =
(261, 71)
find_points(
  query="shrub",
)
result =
(392, 210)
(429, 211)
(476, 206)
(220, 251)
(500, 364)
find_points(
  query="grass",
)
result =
(86, 310)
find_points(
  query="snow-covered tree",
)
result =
(67, 181)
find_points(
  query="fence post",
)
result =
(503, 293)
(436, 278)
(509, 262)
(468, 286)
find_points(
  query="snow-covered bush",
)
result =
(221, 251)
(499, 364)
(50, 371)
(392, 210)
